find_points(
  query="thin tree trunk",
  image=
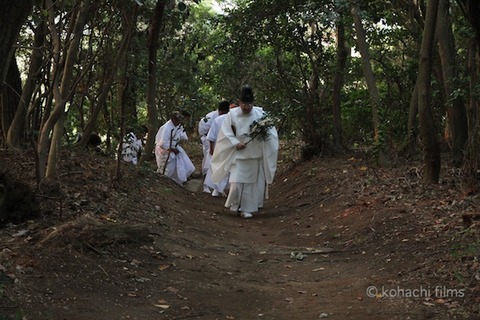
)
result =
(412, 125)
(370, 80)
(61, 90)
(12, 17)
(102, 99)
(457, 118)
(118, 172)
(17, 127)
(471, 164)
(342, 55)
(152, 113)
(11, 95)
(427, 125)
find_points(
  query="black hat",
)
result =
(247, 94)
(177, 115)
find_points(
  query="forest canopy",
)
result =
(398, 77)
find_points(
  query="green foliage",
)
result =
(285, 49)
(357, 116)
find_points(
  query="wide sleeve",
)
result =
(183, 134)
(213, 132)
(203, 126)
(164, 136)
(159, 137)
(225, 150)
(270, 152)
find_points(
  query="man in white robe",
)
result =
(203, 127)
(172, 160)
(132, 145)
(218, 189)
(251, 162)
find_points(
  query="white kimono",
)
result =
(203, 128)
(178, 167)
(251, 169)
(212, 137)
(131, 146)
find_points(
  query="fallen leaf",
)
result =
(163, 306)
(163, 267)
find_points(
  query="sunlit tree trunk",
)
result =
(427, 125)
(456, 114)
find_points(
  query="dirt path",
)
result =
(276, 266)
(332, 233)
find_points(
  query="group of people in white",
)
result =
(236, 163)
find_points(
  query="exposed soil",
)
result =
(334, 231)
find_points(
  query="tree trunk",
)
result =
(471, 10)
(412, 125)
(471, 164)
(12, 17)
(342, 55)
(16, 131)
(370, 80)
(456, 114)
(427, 126)
(62, 88)
(152, 113)
(112, 73)
(10, 96)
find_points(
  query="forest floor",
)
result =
(339, 238)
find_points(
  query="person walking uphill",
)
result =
(247, 148)
(218, 188)
(172, 160)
